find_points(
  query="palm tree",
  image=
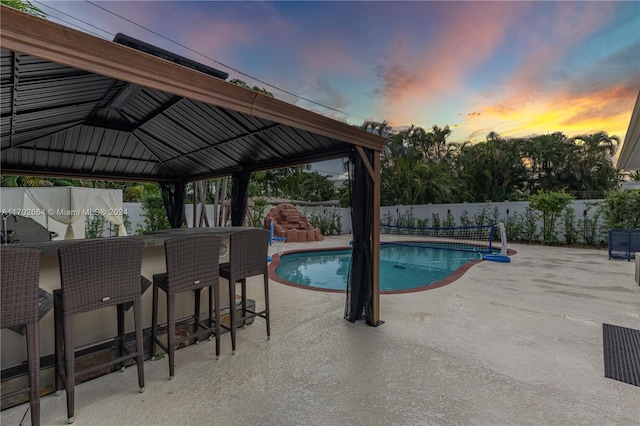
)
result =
(417, 168)
(381, 128)
(593, 166)
(549, 160)
(437, 140)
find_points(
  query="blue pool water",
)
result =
(401, 267)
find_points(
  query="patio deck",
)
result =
(517, 343)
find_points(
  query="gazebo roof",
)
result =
(80, 106)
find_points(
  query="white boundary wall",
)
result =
(505, 209)
(425, 211)
(422, 211)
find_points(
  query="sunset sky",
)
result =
(515, 68)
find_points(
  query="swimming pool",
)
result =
(402, 268)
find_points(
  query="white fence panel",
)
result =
(505, 210)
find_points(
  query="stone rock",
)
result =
(292, 236)
(292, 225)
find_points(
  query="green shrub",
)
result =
(449, 222)
(155, 216)
(435, 220)
(621, 209)
(406, 218)
(480, 218)
(464, 219)
(515, 227)
(588, 226)
(570, 229)
(387, 221)
(94, 226)
(423, 223)
(530, 225)
(259, 212)
(115, 229)
(329, 221)
(550, 205)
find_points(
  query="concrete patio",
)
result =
(517, 343)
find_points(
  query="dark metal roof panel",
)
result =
(242, 150)
(248, 121)
(198, 119)
(6, 102)
(144, 103)
(28, 128)
(214, 158)
(203, 121)
(291, 144)
(172, 133)
(280, 142)
(34, 68)
(55, 91)
(161, 151)
(225, 123)
(186, 165)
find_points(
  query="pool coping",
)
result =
(455, 275)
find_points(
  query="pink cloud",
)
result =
(470, 36)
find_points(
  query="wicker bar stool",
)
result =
(192, 264)
(95, 275)
(247, 257)
(19, 307)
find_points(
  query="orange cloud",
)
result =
(534, 102)
(607, 109)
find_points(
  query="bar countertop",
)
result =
(151, 239)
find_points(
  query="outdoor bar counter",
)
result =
(99, 326)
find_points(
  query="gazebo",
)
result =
(75, 105)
